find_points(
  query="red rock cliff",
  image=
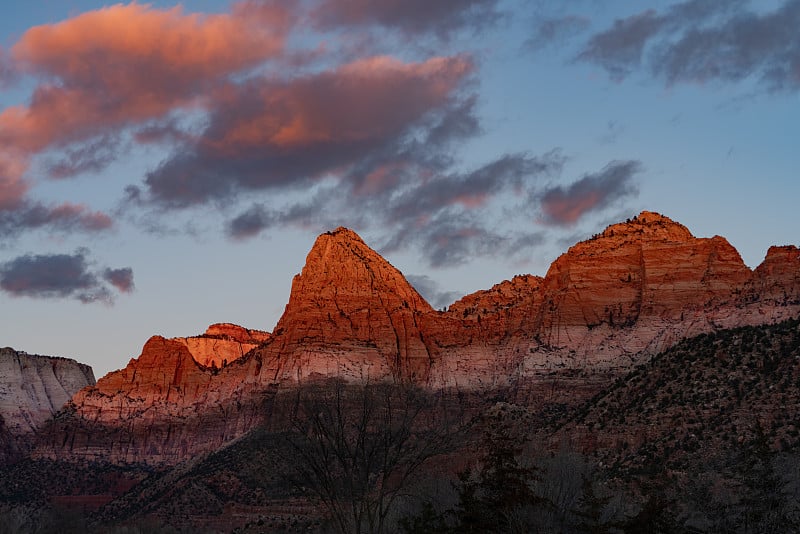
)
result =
(350, 303)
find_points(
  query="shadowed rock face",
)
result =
(604, 306)
(33, 388)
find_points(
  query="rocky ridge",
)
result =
(222, 343)
(604, 306)
(32, 389)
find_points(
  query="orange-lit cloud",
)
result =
(128, 63)
(566, 205)
(111, 68)
(12, 186)
(267, 133)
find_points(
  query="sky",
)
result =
(167, 166)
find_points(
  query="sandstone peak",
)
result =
(235, 332)
(347, 296)
(33, 387)
(342, 259)
(647, 226)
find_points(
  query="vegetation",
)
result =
(702, 438)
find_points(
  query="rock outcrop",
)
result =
(605, 305)
(351, 313)
(222, 343)
(33, 388)
(777, 279)
(160, 409)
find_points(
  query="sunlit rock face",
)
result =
(777, 279)
(648, 267)
(222, 343)
(32, 388)
(351, 313)
(605, 305)
(636, 287)
(162, 408)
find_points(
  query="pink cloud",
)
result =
(566, 205)
(128, 63)
(268, 133)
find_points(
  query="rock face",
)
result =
(33, 388)
(222, 343)
(160, 409)
(648, 267)
(777, 279)
(605, 305)
(352, 313)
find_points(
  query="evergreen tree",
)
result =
(591, 509)
(765, 507)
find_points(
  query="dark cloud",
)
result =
(411, 17)
(432, 292)
(474, 189)
(554, 30)
(250, 223)
(566, 205)
(265, 134)
(441, 215)
(61, 276)
(704, 40)
(619, 49)
(122, 279)
(57, 219)
(452, 237)
(93, 157)
(8, 71)
(162, 132)
(455, 240)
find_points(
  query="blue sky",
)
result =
(164, 167)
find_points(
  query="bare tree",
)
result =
(358, 447)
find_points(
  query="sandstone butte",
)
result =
(33, 388)
(605, 305)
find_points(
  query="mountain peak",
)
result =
(343, 231)
(648, 225)
(347, 296)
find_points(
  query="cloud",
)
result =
(704, 40)
(8, 72)
(554, 30)
(265, 134)
(58, 218)
(127, 63)
(432, 292)
(619, 49)
(12, 186)
(453, 237)
(91, 157)
(566, 205)
(250, 223)
(108, 69)
(473, 189)
(122, 279)
(410, 17)
(61, 276)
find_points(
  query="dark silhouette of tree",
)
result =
(499, 495)
(358, 447)
(655, 517)
(765, 507)
(427, 521)
(591, 510)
